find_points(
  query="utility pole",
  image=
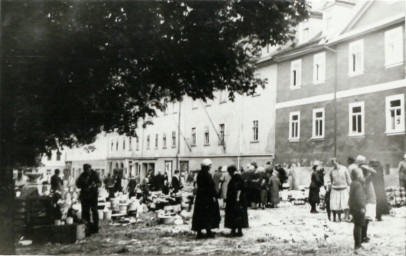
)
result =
(335, 97)
(239, 132)
(178, 138)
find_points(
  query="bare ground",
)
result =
(288, 230)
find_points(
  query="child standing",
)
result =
(357, 206)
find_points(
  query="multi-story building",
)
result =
(342, 93)
(228, 132)
(337, 90)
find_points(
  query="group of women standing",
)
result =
(206, 214)
(337, 188)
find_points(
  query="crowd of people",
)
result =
(358, 190)
(257, 187)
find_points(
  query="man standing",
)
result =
(402, 172)
(109, 183)
(56, 181)
(206, 214)
(176, 184)
(89, 182)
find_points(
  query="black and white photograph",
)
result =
(203, 127)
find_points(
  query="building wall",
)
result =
(375, 71)
(375, 144)
(307, 89)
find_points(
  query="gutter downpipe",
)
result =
(239, 133)
(335, 98)
(178, 152)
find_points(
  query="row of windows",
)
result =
(164, 140)
(206, 135)
(130, 146)
(393, 56)
(193, 141)
(394, 114)
(58, 156)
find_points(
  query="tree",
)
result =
(71, 69)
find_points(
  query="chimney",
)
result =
(335, 16)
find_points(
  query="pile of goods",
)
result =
(158, 207)
(295, 197)
(396, 196)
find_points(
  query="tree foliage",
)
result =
(76, 68)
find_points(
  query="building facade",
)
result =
(337, 90)
(343, 94)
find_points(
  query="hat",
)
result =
(251, 167)
(224, 168)
(206, 162)
(316, 163)
(360, 159)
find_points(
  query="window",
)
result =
(294, 126)
(137, 143)
(356, 119)
(356, 58)
(393, 47)
(319, 67)
(112, 145)
(255, 130)
(296, 74)
(129, 144)
(206, 136)
(174, 108)
(148, 142)
(166, 110)
(174, 139)
(58, 156)
(49, 156)
(222, 133)
(395, 114)
(318, 123)
(124, 144)
(164, 140)
(156, 140)
(193, 136)
(223, 96)
(116, 145)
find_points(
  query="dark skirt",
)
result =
(314, 197)
(236, 216)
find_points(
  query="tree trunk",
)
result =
(7, 103)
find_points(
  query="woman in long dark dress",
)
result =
(206, 214)
(236, 215)
(382, 206)
(314, 190)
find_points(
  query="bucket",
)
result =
(123, 208)
(80, 231)
(107, 215)
(69, 221)
(100, 214)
